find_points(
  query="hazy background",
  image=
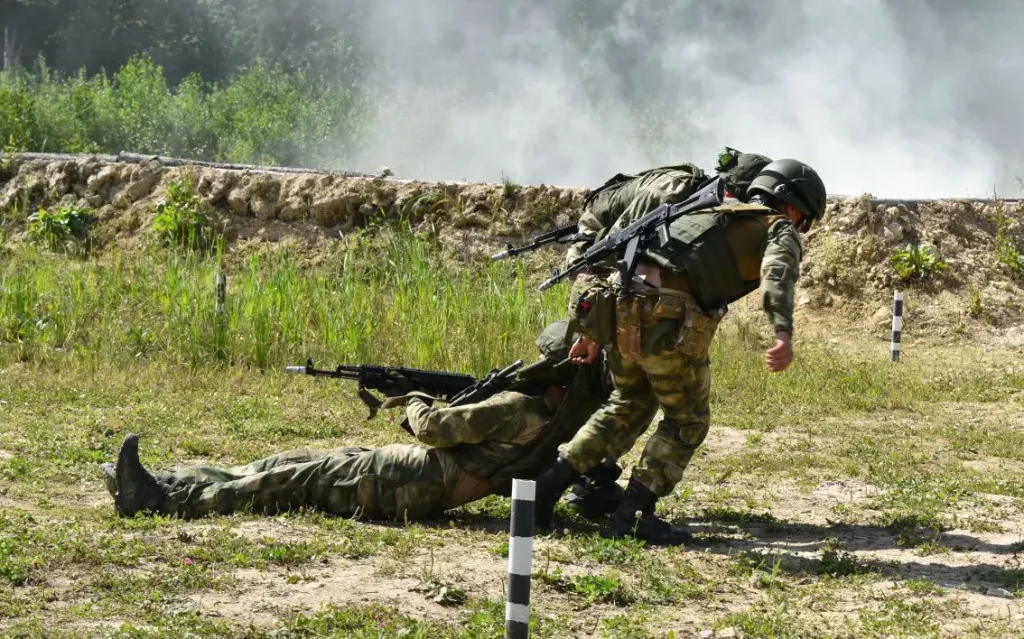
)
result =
(895, 98)
(908, 98)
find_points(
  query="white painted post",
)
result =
(520, 559)
(897, 325)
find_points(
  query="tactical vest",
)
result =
(698, 247)
(501, 462)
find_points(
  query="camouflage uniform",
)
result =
(477, 450)
(629, 194)
(659, 356)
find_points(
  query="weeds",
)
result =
(61, 228)
(441, 592)
(509, 189)
(918, 263)
(590, 589)
(1006, 254)
(836, 562)
(182, 219)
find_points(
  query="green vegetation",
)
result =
(918, 262)
(263, 115)
(1006, 253)
(181, 219)
(61, 228)
(120, 341)
(160, 306)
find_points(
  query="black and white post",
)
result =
(897, 325)
(221, 288)
(520, 559)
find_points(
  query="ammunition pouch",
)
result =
(698, 329)
(644, 320)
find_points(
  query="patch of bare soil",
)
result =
(265, 596)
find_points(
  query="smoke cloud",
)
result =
(914, 98)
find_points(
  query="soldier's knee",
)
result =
(686, 433)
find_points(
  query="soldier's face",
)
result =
(796, 217)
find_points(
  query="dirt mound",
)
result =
(847, 272)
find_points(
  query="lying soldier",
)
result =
(477, 450)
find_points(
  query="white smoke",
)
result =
(899, 99)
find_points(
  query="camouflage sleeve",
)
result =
(499, 417)
(660, 189)
(589, 225)
(635, 201)
(780, 268)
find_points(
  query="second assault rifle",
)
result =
(638, 234)
(563, 234)
(454, 388)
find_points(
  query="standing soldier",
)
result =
(477, 450)
(658, 338)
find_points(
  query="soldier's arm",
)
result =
(780, 268)
(470, 424)
(589, 226)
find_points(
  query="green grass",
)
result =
(382, 299)
(93, 347)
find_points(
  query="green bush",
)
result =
(918, 262)
(59, 229)
(182, 219)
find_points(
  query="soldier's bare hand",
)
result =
(779, 357)
(583, 351)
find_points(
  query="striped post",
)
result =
(520, 560)
(897, 325)
(221, 287)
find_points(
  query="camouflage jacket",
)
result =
(627, 197)
(515, 433)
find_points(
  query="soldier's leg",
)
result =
(199, 474)
(394, 481)
(682, 385)
(614, 428)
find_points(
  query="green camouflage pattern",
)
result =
(668, 376)
(673, 372)
(632, 196)
(395, 482)
(780, 269)
(482, 438)
(398, 481)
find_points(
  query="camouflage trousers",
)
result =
(673, 373)
(393, 482)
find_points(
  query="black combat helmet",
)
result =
(792, 182)
(553, 343)
(739, 169)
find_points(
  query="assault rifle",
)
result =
(563, 234)
(639, 234)
(454, 388)
(382, 378)
(492, 383)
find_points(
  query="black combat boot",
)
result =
(635, 518)
(137, 490)
(596, 494)
(110, 478)
(550, 486)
